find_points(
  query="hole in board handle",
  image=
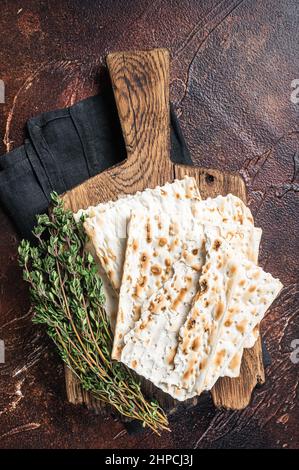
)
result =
(210, 179)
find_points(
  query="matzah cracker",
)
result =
(250, 340)
(253, 291)
(155, 242)
(223, 211)
(106, 224)
(234, 296)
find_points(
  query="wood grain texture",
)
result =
(230, 82)
(141, 86)
(140, 80)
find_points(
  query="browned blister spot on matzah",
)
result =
(219, 310)
(156, 270)
(162, 241)
(241, 327)
(171, 355)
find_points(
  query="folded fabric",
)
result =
(64, 148)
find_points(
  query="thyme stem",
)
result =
(67, 298)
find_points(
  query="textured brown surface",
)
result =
(232, 67)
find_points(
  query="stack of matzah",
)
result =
(185, 294)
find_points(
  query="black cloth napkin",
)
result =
(63, 148)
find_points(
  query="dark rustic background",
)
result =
(232, 67)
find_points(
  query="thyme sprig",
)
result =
(67, 297)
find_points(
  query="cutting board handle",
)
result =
(140, 81)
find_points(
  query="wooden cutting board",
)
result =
(140, 81)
